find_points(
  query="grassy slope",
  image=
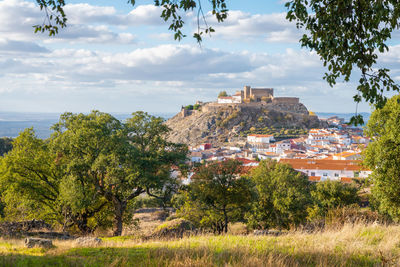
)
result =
(351, 246)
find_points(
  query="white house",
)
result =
(260, 138)
(235, 99)
(196, 156)
(323, 169)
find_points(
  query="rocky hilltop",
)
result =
(219, 123)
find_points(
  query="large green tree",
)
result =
(36, 184)
(217, 195)
(283, 196)
(30, 172)
(119, 160)
(382, 156)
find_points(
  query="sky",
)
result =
(119, 58)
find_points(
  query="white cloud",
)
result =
(13, 46)
(140, 15)
(248, 27)
(17, 19)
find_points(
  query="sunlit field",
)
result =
(350, 246)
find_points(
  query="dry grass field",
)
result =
(353, 245)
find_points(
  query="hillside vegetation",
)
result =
(352, 245)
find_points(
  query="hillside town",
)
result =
(324, 154)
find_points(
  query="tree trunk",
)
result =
(81, 223)
(119, 208)
(225, 221)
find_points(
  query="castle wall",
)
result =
(247, 92)
(258, 93)
(286, 100)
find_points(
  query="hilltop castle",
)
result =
(249, 94)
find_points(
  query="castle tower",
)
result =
(247, 94)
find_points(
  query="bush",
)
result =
(329, 195)
(283, 195)
(189, 107)
(353, 214)
(173, 229)
(147, 202)
(222, 94)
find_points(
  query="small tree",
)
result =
(329, 195)
(283, 196)
(222, 94)
(219, 195)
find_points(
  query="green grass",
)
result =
(350, 246)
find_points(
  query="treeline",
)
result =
(87, 174)
(94, 170)
(273, 195)
(90, 173)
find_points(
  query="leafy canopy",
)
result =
(218, 195)
(283, 196)
(329, 195)
(382, 156)
(118, 161)
(55, 16)
(350, 35)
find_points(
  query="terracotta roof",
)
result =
(345, 154)
(346, 179)
(246, 161)
(314, 178)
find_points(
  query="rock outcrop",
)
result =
(219, 123)
(38, 242)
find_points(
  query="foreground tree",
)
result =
(382, 156)
(120, 161)
(29, 171)
(36, 184)
(283, 196)
(217, 196)
(330, 195)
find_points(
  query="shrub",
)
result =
(283, 195)
(329, 195)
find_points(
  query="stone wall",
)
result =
(258, 93)
(286, 100)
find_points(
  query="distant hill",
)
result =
(346, 116)
(12, 123)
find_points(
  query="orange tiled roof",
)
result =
(346, 179)
(314, 178)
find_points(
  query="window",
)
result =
(312, 173)
(356, 174)
(336, 174)
(325, 174)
